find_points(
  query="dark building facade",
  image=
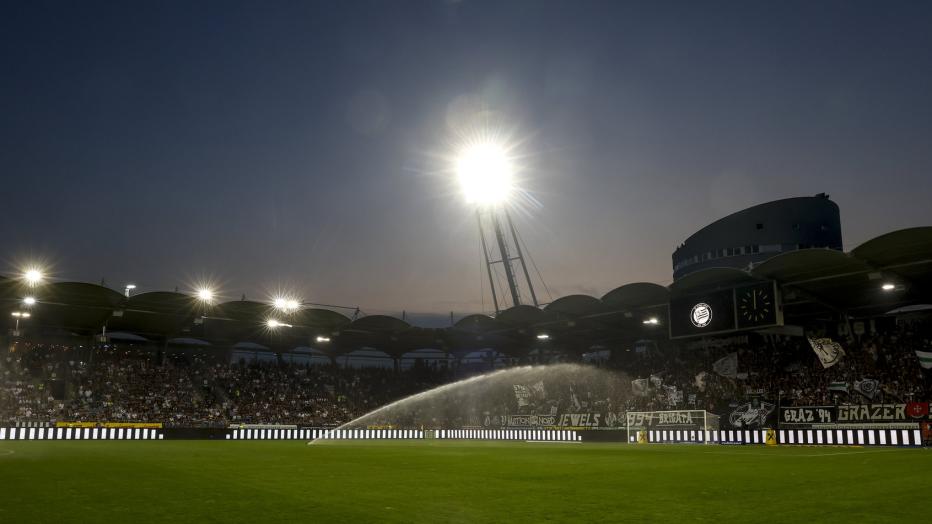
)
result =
(757, 233)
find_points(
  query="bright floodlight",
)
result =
(287, 305)
(322, 339)
(205, 294)
(272, 323)
(485, 174)
(652, 320)
(33, 276)
(29, 301)
(543, 336)
(888, 287)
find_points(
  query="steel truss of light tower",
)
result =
(505, 243)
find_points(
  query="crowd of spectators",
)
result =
(785, 370)
(49, 382)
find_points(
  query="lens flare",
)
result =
(33, 276)
(485, 174)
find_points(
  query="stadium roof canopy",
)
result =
(815, 283)
(852, 282)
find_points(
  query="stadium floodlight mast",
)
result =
(274, 324)
(29, 301)
(485, 173)
(129, 289)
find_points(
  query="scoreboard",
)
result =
(726, 310)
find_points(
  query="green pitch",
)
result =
(203, 481)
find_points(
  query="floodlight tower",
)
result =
(485, 176)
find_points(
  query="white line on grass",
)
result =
(850, 453)
(806, 455)
(6, 452)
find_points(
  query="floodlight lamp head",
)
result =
(33, 276)
(286, 304)
(205, 295)
(485, 173)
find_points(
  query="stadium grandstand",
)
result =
(89, 354)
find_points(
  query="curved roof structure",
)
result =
(711, 278)
(897, 247)
(812, 282)
(478, 324)
(636, 295)
(808, 264)
(576, 306)
(242, 310)
(524, 315)
(322, 319)
(74, 306)
(156, 312)
(378, 324)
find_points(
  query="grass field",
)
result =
(208, 481)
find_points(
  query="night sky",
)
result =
(306, 145)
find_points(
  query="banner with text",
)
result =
(854, 415)
(683, 419)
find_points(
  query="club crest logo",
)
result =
(701, 315)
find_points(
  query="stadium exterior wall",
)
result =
(750, 236)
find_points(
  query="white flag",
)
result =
(727, 366)
(656, 381)
(522, 395)
(639, 386)
(925, 359)
(538, 389)
(828, 351)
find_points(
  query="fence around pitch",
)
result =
(49, 433)
(403, 434)
(807, 437)
(53, 433)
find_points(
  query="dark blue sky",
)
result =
(279, 144)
